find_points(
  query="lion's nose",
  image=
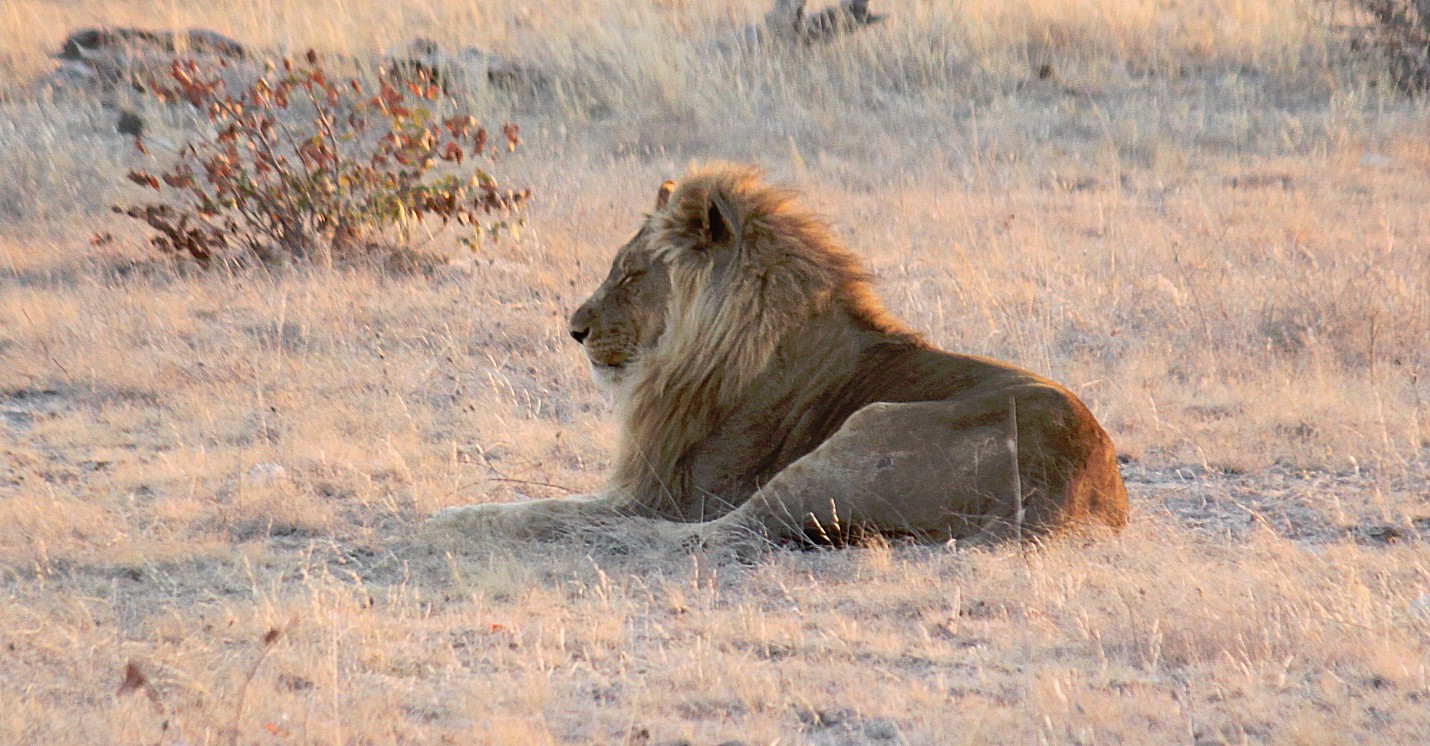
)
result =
(580, 333)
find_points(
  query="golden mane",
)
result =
(788, 268)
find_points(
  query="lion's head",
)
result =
(625, 317)
(698, 303)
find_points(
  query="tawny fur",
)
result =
(762, 386)
(720, 337)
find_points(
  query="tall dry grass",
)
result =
(1205, 217)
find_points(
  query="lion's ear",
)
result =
(662, 197)
(720, 223)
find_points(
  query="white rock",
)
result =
(1375, 160)
(266, 472)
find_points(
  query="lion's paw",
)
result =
(729, 544)
(466, 521)
(531, 520)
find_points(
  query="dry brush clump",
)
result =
(1216, 236)
(303, 165)
(1403, 31)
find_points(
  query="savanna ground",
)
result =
(1208, 218)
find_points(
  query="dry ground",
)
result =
(1210, 220)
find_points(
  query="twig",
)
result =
(45, 348)
(273, 635)
(563, 488)
(462, 487)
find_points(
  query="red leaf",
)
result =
(143, 179)
(459, 126)
(452, 152)
(178, 180)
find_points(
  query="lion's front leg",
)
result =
(528, 520)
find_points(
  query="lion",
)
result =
(764, 392)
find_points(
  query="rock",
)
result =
(426, 60)
(86, 44)
(107, 58)
(788, 21)
(1374, 160)
(266, 472)
(130, 124)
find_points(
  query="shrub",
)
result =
(300, 165)
(1404, 31)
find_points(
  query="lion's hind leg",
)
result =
(930, 470)
(894, 469)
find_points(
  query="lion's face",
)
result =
(625, 317)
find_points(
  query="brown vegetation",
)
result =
(303, 166)
(1207, 219)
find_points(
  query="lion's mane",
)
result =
(721, 336)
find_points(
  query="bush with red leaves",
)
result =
(301, 166)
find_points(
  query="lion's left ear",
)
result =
(721, 225)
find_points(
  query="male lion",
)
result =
(764, 392)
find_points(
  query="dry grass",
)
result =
(1208, 220)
